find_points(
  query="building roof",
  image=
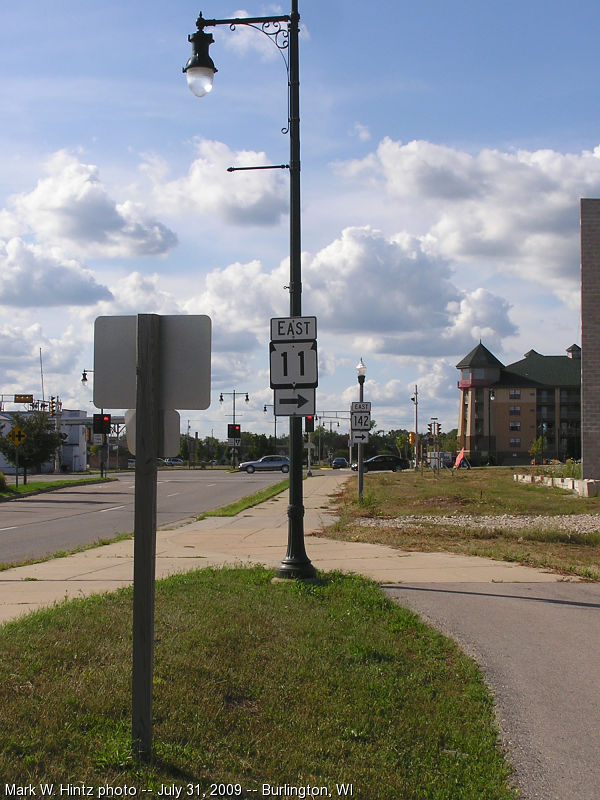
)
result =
(479, 357)
(546, 370)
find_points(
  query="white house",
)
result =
(72, 452)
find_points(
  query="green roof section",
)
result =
(479, 357)
(548, 370)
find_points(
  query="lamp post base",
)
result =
(296, 568)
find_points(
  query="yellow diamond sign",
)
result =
(17, 436)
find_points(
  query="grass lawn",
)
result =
(255, 683)
(478, 492)
(9, 492)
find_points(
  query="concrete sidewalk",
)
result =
(256, 536)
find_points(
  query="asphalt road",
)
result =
(539, 649)
(47, 523)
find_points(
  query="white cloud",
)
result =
(516, 211)
(398, 298)
(72, 207)
(362, 132)
(244, 40)
(40, 276)
(246, 197)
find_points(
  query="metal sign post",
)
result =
(146, 445)
(156, 363)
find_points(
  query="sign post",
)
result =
(293, 363)
(144, 558)
(155, 363)
(17, 436)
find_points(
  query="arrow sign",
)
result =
(294, 402)
(359, 437)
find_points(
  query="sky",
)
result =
(444, 147)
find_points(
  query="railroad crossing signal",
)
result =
(17, 436)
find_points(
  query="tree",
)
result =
(538, 447)
(40, 445)
(449, 441)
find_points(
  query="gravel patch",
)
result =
(574, 523)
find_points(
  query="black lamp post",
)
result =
(200, 70)
(268, 405)
(491, 396)
(361, 373)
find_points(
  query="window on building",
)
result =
(515, 442)
(514, 426)
(514, 394)
(514, 411)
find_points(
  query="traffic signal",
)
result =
(430, 428)
(101, 423)
(52, 406)
(309, 423)
(234, 431)
(411, 437)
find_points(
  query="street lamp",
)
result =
(267, 405)
(361, 372)
(491, 396)
(200, 69)
(234, 394)
(415, 400)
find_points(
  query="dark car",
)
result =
(385, 461)
(339, 463)
(266, 462)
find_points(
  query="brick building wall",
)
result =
(590, 338)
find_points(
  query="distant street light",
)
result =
(415, 399)
(361, 371)
(267, 405)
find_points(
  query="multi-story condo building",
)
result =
(504, 409)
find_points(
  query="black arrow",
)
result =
(360, 436)
(294, 401)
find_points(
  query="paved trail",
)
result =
(539, 648)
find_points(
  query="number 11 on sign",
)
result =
(293, 364)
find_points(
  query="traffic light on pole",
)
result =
(430, 428)
(101, 423)
(411, 437)
(234, 431)
(309, 423)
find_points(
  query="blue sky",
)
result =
(445, 147)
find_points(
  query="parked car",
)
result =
(339, 463)
(385, 461)
(266, 462)
(174, 462)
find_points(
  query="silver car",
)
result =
(266, 462)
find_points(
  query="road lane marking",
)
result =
(12, 528)
(173, 495)
(113, 508)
